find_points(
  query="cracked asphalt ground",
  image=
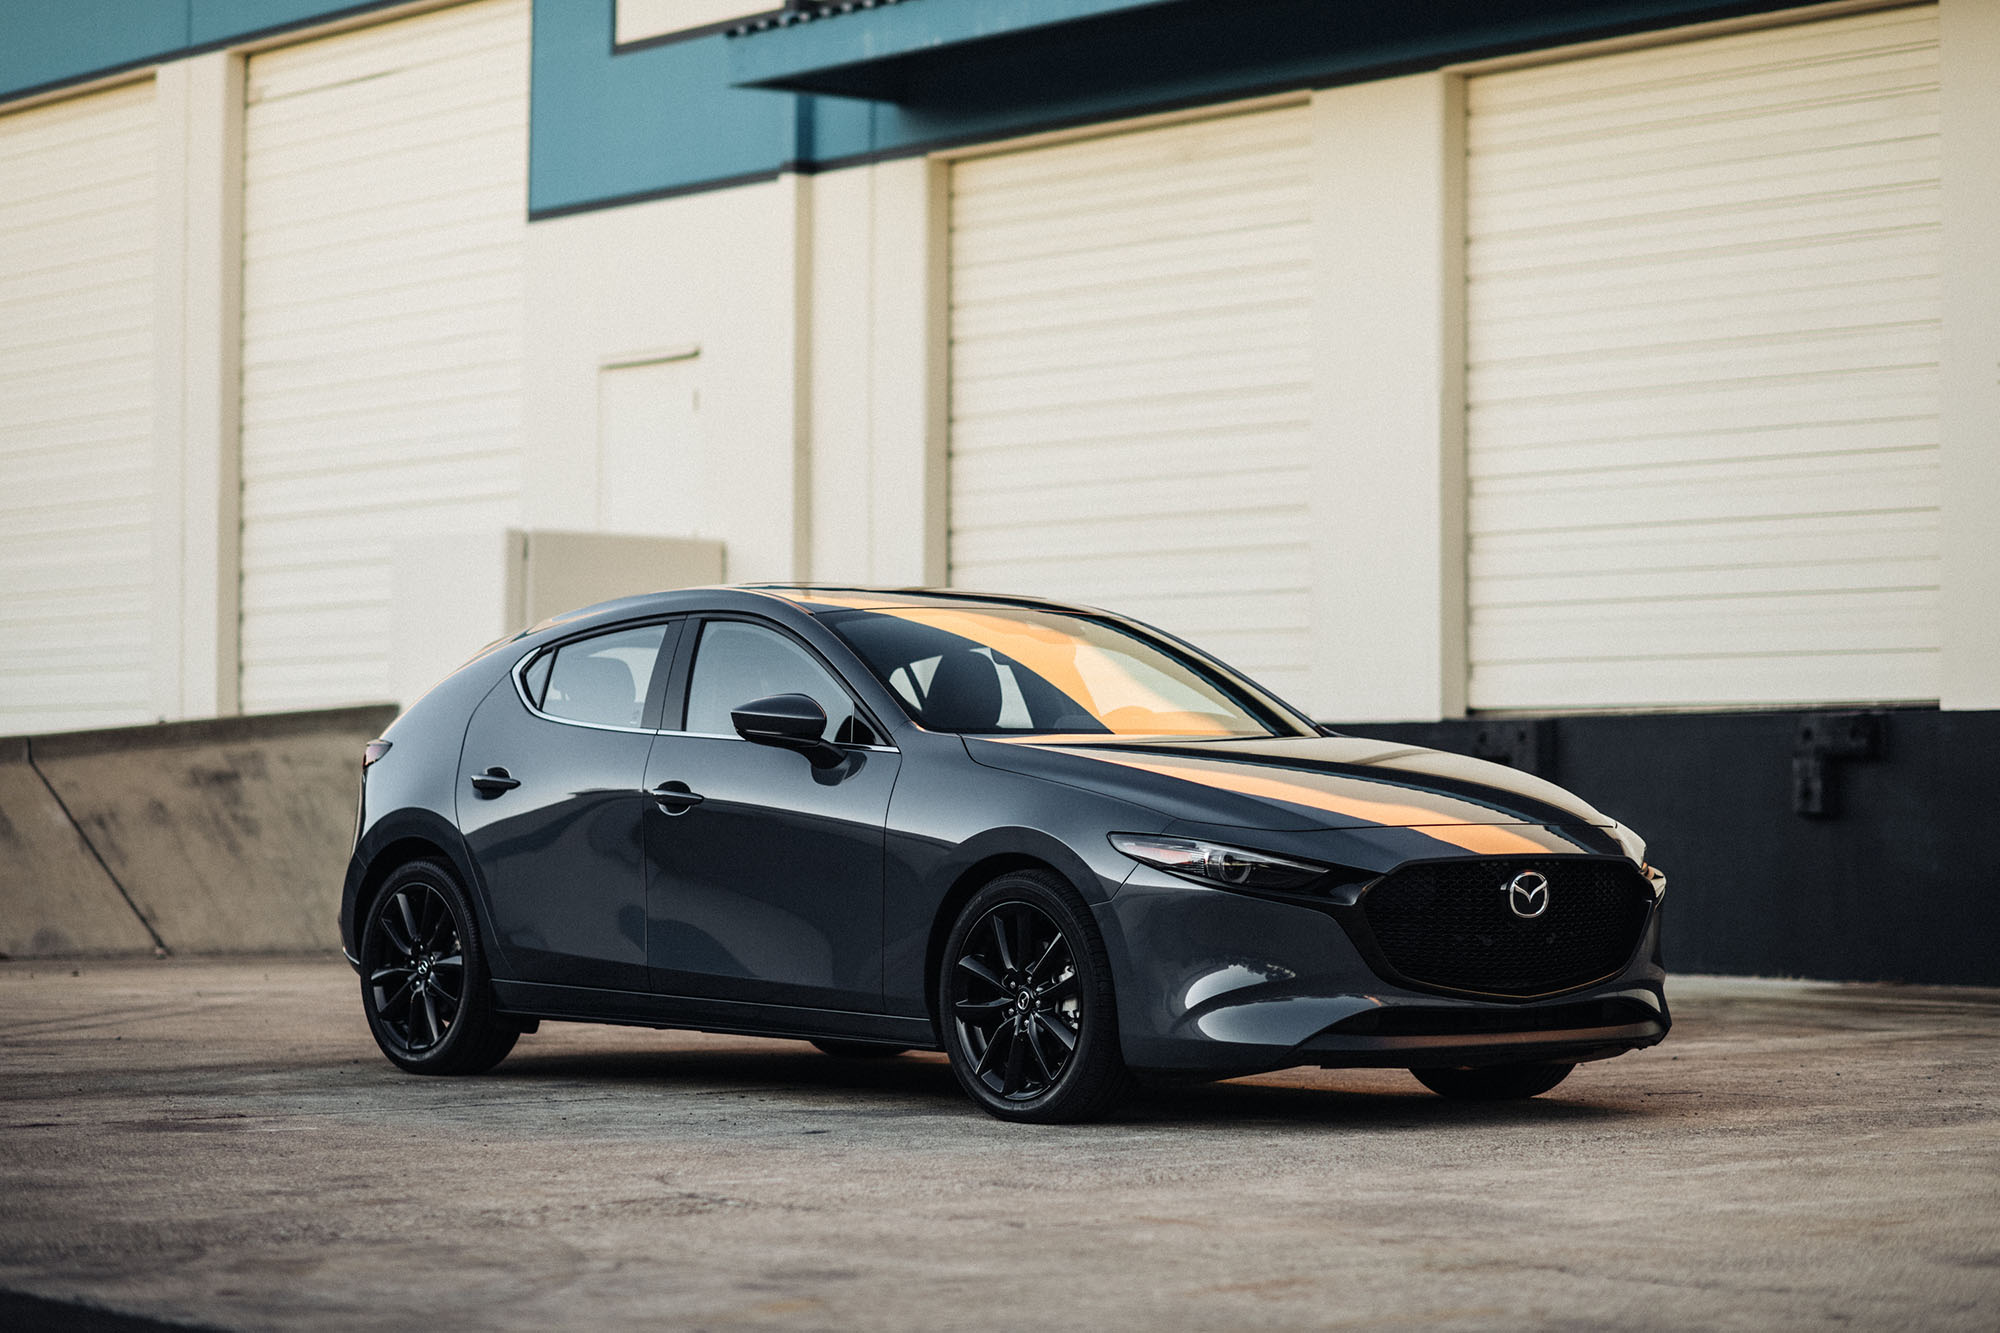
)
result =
(217, 1142)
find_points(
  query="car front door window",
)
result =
(737, 662)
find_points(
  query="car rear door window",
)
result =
(603, 679)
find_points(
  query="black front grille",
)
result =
(1447, 924)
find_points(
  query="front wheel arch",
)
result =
(970, 881)
(1091, 1077)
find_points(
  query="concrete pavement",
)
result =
(218, 1142)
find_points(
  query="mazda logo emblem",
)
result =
(1528, 894)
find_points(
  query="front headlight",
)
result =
(1215, 863)
(1656, 878)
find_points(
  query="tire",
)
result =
(858, 1050)
(424, 983)
(1493, 1083)
(1025, 1003)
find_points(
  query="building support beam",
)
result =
(1969, 420)
(197, 385)
(1388, 467)
(879, 361)
(910, 371)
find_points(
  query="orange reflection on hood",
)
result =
(1483, 839)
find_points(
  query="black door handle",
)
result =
(493, 781)
(674, 798)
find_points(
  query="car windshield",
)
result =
(1001, 669)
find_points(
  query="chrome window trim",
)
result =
(518, 674)
(718, 736)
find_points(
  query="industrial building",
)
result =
(1611, 387)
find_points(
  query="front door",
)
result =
(769, 888)
(551, 803)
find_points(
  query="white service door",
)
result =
(652, 464)
(1130, 380)
(76, 411)
(385, 209)
(1703, 332)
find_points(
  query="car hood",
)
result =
(1307, 782)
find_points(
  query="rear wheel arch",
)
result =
(419, 835)
(388, 861)
(420, 940)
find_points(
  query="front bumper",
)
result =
(1216, 983)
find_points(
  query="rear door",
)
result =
(768, 888)
(551, 805)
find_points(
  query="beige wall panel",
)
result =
(77, 225)
(384, 213)
(1131, 380)
(1703, 340)
(707, 280)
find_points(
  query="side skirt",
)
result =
(529, 999)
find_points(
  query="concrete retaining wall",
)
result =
(226, 836)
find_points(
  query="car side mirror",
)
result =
(789, 722)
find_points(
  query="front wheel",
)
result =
(1493, 1083)
(1025, 1002)
(424, 984)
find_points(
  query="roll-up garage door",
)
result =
(1130, 388)
(385, 202)
(76, 411)
(1703, 331)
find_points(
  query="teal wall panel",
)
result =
(214, 21)
(648, 120)
(44, 43)
(668, 117)
(49, 43)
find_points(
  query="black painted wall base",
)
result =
(1843, 847)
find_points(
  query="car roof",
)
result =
(819, 598)
(806, 598)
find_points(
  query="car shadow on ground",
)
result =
(922, 1082)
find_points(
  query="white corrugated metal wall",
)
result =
(385, 203)
(77, 183)
(1703, 336)
(1131, 380)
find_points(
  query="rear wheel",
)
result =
(1025, 1002)
(424, 984)
(1493, 1083)
(858, 1050)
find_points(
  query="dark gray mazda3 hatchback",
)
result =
(1056, 844)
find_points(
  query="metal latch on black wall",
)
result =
(1529, 745)
(1823, 738)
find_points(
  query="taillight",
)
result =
(371, 752)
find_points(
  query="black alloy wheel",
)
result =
(419, 980)
(1025, 998)
(1493, 1083)
(423, 979)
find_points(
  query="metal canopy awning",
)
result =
(900, 50)
(968, 54)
